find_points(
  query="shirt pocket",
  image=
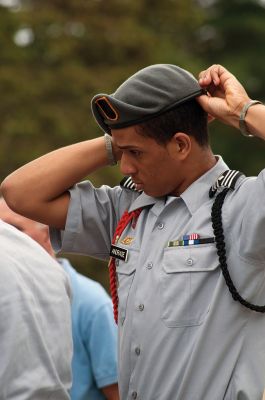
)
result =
(188, 279)
(125, 276)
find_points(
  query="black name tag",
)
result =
(118, 252)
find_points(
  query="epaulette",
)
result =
(127, 183)
(227, 180)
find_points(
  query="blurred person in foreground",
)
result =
(185, 233)
(35, 321)
(94, 365)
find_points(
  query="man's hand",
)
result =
(226, 96)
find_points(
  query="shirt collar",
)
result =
(196, 194)
(144, 200)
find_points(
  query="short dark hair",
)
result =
(188, 117)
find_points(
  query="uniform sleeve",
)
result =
(102, 346)
(252, 235)
(91, 220)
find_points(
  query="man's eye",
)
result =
(135, 153)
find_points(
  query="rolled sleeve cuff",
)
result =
(107, 381)
(65, 239)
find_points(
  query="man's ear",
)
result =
(183, 144)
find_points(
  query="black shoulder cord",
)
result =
(220, 245)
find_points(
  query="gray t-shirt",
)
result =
(35, 321)
(181, 335)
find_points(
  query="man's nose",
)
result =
(126, 167)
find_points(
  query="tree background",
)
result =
(55, 55)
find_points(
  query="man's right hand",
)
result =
(226, 96)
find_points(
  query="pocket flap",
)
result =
(127, 268)
(196, 258)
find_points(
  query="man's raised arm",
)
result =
(39, 189)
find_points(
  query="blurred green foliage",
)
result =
(56, 54)
(233, 35)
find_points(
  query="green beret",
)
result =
(145, 95)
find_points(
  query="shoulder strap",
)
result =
(216, 215)
(227, 179)
(127, 183)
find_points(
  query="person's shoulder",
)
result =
(7, 230)
(244, 187)
(21, 256)
(8, 240)
(25, 254)
(18, 244)
(12, 241)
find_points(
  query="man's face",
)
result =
(153, 167)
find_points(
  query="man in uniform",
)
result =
(183, 333)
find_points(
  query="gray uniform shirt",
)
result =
(181, 335)
(35, 321)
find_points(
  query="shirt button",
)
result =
(137, 351)
(122, 320)
(160, 225)
(141, 307)
(149, 265)
(134, 395)
(189, 261)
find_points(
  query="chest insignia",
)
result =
(189, 240)
(127, 240)
(193, 236)
(118, 253)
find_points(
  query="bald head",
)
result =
(37, 231)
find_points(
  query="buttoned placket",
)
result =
(153, 227)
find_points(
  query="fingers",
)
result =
(226, 95)
(212, 105)
(205, 105)
(211, 75)
(203, 100)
